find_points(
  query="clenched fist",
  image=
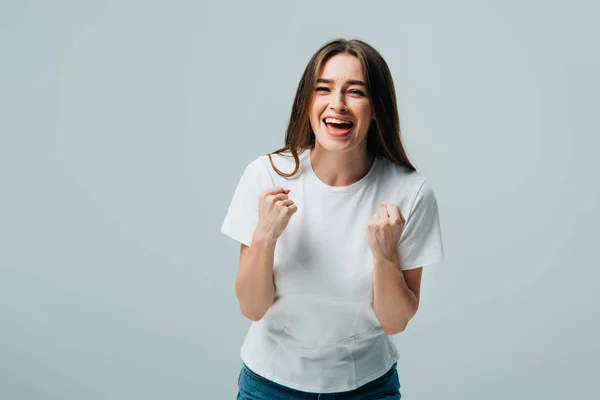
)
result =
(274, 212)
(384, 230)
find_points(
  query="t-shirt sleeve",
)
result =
(421, 240)
(242, 214)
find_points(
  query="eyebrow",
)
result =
(351, 82)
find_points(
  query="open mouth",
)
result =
(338, 127)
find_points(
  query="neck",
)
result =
(340, 168)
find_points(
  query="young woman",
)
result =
(335, 228)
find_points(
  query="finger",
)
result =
(383, 212)
(291, 209)
(395, 214)
(275, 190)
(287, 202)
(279, 197)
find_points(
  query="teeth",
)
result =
(336, 121)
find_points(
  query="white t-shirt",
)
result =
(321, 333)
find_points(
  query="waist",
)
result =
(319, 321)
(320, 367)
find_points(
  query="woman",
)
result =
(329, 265)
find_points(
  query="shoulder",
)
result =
(256, 174)
(408, 184)
(256, 167)
(400, 176)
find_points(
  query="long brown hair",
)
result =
(383, 138)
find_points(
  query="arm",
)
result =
(254, 286)
(395, 294)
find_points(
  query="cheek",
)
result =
(314, 116)
(364, 113)
(317, 106)
(361, 108)
(316, 110)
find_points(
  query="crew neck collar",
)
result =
(341, 189)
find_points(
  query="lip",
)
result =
(337, 117)
(337, 135)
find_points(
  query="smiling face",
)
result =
(340, 113)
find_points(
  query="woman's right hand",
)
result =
(274, 212)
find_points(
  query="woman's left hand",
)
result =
(383, 231)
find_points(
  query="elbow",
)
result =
(399, 325)
(394, 325)
(251, 311)
(252, 315)
(254, 311)
(251, 306)
(391, 330)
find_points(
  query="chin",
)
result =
(333, 145)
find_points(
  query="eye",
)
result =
(358, 92)
(322, 89)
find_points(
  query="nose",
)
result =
(337, 103)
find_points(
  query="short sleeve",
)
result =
(242, 214)
(421, 240)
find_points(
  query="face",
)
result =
(341, 113)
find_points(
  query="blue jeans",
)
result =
(254, 387)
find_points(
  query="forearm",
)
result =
(254, 285)
(393, 301)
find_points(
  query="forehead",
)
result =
(342, 67)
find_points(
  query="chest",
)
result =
(324, 249)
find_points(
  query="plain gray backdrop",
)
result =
(125, 126)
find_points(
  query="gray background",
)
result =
(124, 127)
